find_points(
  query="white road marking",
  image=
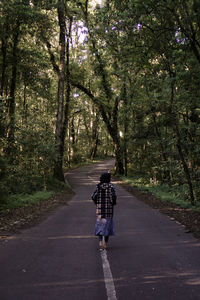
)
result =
(108, 278)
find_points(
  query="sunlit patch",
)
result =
(81, 201)
(71, 237)
(155, 277)
(75, 283)
(5, 237)
(194, 281)
(79, 283)
(25, 238)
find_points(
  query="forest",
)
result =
(83, 80)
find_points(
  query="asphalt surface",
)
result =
(151, 256)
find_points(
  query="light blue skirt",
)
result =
(104, 227)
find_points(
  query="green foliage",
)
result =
(28, 197)
(177, 195)
(21, 200)
(33, 162)
(148, 58)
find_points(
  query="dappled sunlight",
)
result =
(151, 280)
(81, 201)
(79, 283)
(84, 181)
(117, 182)
(178, 279)
(186, 243)
(194, 281)
(24, 238)
(151, 277)
(71, 237)
(186, 278)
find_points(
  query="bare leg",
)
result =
(106, 238)
(100, 242)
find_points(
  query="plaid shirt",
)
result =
(104, 197)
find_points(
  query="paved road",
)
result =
(151, 257)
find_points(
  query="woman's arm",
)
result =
(94, 195)
(114, 196)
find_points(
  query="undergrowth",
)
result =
(175, 194)
(28, 194)
(21, 200)
(15, 200)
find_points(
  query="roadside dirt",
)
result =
(14, 220)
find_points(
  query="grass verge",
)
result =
(21, 200)
(174, 194)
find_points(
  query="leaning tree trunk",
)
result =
(58, 169)
(110, 122)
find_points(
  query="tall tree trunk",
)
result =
(93, 152)
(166, 173)
(116, 139)
(25, 107)
(3, 50)
(94, 138)
(58, 169)
(174, 122)
(125, 128)
(68, 91)
(162, 148)
(184, 163)
(118, 154)
(73, 133)
(11, 126)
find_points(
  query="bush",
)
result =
(176, 194)
(21, 200)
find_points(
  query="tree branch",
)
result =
(96, 101)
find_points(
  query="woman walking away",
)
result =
(104, 197)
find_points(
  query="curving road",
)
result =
(151, 257)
